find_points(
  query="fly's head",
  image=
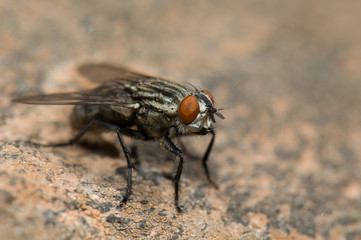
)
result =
(196, 112)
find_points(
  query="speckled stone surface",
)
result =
(287, 158)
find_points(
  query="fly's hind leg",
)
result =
(119, 130)
(129, 132)
(71, 141)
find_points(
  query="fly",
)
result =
(139, 106)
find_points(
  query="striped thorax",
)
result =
(139, 106)
(187, 108)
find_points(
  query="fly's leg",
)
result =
(205, 158)
(119, 131)
(130, 166)
(74, 139)
(171, 147)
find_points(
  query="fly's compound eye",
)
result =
(188, 109)
(209, 95)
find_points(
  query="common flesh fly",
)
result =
(141, 107)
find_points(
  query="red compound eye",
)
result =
(209, 95)
(188, 109)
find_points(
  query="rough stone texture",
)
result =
(287, 157)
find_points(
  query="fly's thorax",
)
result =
(159, 95)
(173, 105)
(153, 124)
(196, 112)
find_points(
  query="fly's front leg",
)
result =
(171, 147)
(205, 158)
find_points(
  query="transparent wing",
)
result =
(104, 72)
(112, 93)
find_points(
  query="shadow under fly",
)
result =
(141, 107)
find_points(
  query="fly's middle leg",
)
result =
(171, 147)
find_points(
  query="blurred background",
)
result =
(287, 157)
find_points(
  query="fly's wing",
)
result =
(104, 72)
(111, 93)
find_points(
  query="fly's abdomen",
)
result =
(83, 114)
